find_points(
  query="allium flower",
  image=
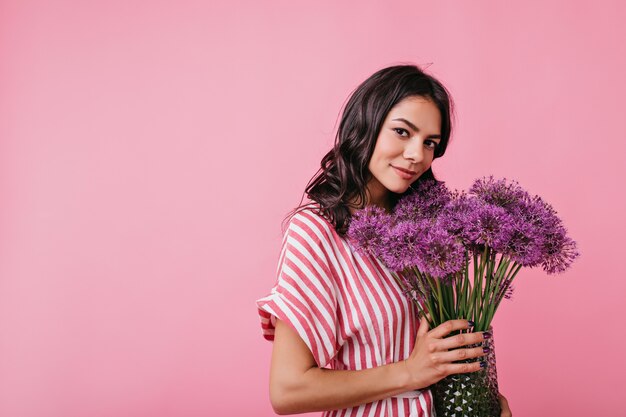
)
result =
(559, 251)
(492, 226)
(458, 215)
(537, 212)
(440, 254)
(368, 229)
(548, 241)
(524, 245)
(403, 244)
(425, 202)
(499, 192)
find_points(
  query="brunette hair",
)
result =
(344, 172)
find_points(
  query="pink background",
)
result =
(150, 149)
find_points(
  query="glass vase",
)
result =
(473, 394)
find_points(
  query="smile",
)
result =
(403, 173)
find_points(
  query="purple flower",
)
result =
(458, 215)
(536, 212)
(368, 229)
(548, 243)
(559, 251)
(499, 192)
(402, 244)
(490, 225)
(440, 255)
(524, 245)
(537, 235)
(425, 202)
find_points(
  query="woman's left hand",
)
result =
(504, 405)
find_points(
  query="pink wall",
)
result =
(149, 150)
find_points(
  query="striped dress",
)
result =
(346, 307)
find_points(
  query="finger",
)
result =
(423, 329)
(459, 355)
(462, 339)
(462, 368)
(449, 326)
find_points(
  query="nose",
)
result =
(414, 151)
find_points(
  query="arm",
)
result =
(504, 405)
(297, 385)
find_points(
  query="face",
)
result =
(405, 147)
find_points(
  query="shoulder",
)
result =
(312, 225)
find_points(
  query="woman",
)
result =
(334, 306)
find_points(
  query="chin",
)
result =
(399, 188)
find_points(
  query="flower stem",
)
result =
(493, 294)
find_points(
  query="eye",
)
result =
(431, 144)
(399, 131)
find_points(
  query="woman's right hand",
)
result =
(431, 360)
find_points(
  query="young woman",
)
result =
(332, 306)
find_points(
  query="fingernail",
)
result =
(471, 323)
(486, 350)
(483, 364)
(486, 335)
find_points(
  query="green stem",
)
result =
(479, 287)
(490, 289)
(493, 293)
(464, 292)
(458, 290)
(471, 295)
(440, 300)
(420, 309)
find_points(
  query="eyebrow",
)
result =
(412, 126)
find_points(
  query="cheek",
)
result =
(386, 149)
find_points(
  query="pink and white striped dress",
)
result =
(347, 308)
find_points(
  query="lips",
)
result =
(407, 171)
(405, 174)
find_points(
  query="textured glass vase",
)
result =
(473, 394)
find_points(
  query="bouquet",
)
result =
(456, 254)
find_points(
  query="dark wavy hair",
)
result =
(344, 173)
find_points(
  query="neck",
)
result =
(385, 204)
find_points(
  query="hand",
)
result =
(504, 405)
(430, 361)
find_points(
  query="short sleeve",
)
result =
(304, 295)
